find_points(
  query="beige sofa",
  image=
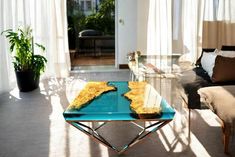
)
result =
(217, 93)
(221, 100)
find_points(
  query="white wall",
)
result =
(126, 28)
(142, 25)
(132, 17)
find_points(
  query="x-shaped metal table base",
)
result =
(92, 132)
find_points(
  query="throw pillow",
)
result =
(204, 50)
(208, 62)
(223, 69)
(227, 53)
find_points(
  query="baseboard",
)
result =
(123, 66)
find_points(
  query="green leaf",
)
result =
(40, 46)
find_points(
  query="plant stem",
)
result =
(32, 46)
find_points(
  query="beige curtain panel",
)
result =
(218, 33)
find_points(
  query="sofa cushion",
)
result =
(191, 81)
(224, 69)
(221, 99)
(227, 53)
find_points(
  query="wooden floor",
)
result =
(101, 59)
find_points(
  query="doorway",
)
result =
(91, 33)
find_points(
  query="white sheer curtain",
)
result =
(187, 26)
(7, 76)
(49, 23)
(192, 17)
(159, 33)
(226, 11)
(188, 23)
(203, 24)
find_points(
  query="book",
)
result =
(155, 69)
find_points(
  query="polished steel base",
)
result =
(145, 131)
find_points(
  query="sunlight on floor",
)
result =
(175, 138)
(78, 142)
(15, 93)
(103, 150)
(209, 117)
(57, 140)
(198, 149)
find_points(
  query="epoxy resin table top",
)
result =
(113, 106)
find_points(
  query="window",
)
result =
(88, 5)
(81, 16)
(82, 4)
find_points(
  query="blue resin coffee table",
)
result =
(113, 106)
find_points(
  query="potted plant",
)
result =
(27, 65)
